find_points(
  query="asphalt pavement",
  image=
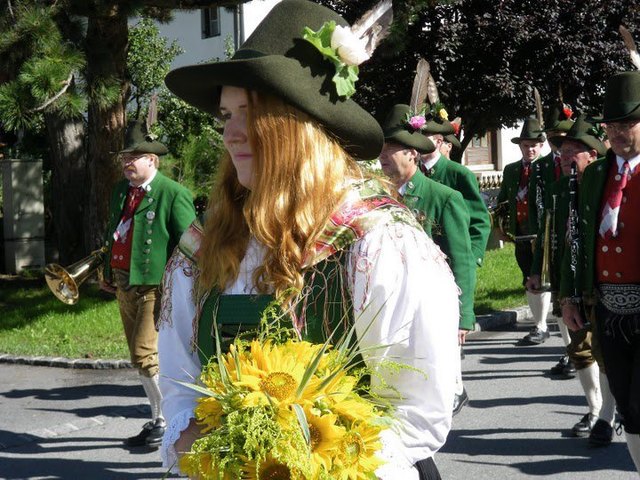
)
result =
(69, 423)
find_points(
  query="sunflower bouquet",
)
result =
(278, 408)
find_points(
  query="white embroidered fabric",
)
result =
(402, 287)
(167, 450)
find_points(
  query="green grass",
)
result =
(34, 322)
(499, 285)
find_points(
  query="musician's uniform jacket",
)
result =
(544, 174)
(580, 349)
(460, 178)
(442, 213)
(163, 215)
(624, 265)
(509, 191)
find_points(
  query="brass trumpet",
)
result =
(500, 218)
(65, 282)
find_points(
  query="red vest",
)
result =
(123, 236)
(618, 259)
(522, 201)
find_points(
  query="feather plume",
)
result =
(560, 93)
(432, 90)
(420, 84)
(374, 24)
(152, 115)
(536, 95)
(631, 46)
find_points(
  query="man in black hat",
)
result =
(580, 147)
(148, 213)
(608, 270)
(518, 190)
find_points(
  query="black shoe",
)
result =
(150, 436)
(460, 401)
(558, 368)
(569, 370)
(462, 355)
(601, 434)
(584, 426)
(534, 337)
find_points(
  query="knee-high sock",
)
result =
(564, 332)
(539, 305)
(152, 390)
(608, 409)
(589, 378)
(633, 444)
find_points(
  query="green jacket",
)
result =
(165, 212)
(444, 217)
(509, 191)
(559, 228)
(594, 180)
(460, 178)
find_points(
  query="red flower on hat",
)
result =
(566, 110)
(456, 128)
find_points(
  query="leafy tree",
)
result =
(80, 47)
(487, 55)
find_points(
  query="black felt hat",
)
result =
(277, 60)
(582, 132)
(138, 140)
(530, 131)
(559, 118)
(397, 129)
(621, 98)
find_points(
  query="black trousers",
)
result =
(619, 337)
(428, 470)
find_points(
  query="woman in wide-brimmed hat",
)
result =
(293, 216)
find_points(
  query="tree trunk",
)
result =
(68, 179)
(106, 49)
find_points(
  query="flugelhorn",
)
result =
(545, 272)
(65, 282)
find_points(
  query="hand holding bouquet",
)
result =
(281, 408)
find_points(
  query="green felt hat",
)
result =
(559, 118)
(435, 121)
(397, 129)
(621, 98)
(582, 132)
(453, 140)
(530, 131)
(276, 60)
(138, 140)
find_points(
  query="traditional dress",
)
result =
(399, 285)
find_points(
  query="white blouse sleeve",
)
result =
(178, 360)
(406, 300)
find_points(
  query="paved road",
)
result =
(69, 423)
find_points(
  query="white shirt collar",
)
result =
(429, 164)
(633, 162)
(146, 184)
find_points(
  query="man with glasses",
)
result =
(609, 265)
(148, 213)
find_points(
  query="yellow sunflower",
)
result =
(357, 457)
(268, 469)
(209, 413)
(270, 370)
(200, 465)
(325, 439)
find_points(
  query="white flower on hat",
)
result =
(351, 49)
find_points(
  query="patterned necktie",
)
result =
(611, 210)
(556, 164)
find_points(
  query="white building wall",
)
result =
(186, 28)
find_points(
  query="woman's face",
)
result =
(234, 106)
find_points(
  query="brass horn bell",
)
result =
(65, 282)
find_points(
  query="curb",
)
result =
(491, 321)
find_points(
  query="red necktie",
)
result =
(427, 171)
(611, 210)
(524, 182)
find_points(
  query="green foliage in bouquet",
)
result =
(278, 407)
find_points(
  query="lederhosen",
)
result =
(327, 302)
